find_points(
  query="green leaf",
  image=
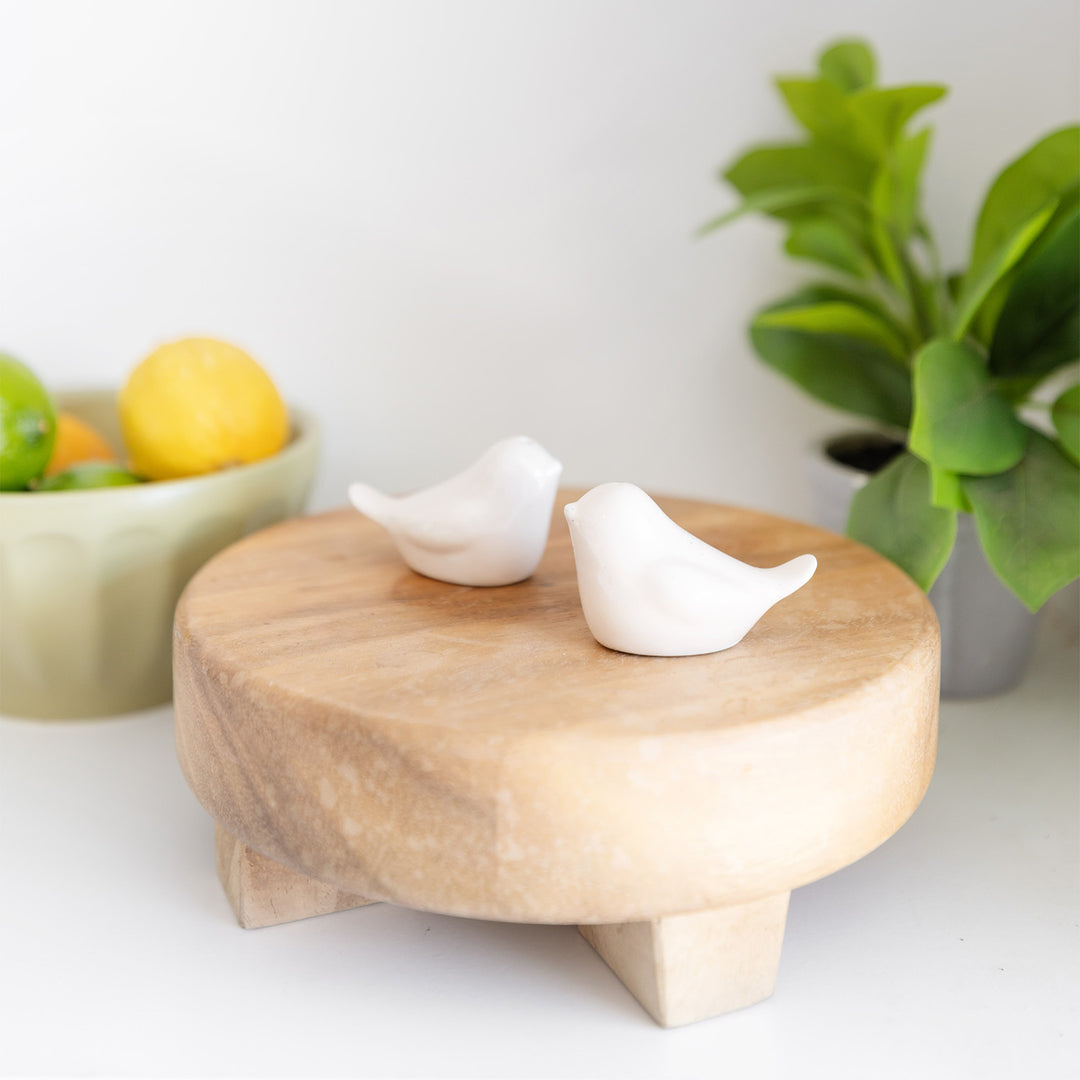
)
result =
(946, 491)
(986, 318)
(827, 293)
(849, 65)
(885, 112)
(1066, 417)
(895, 193)
(827, 241)
(982, 325)
(1038, 329)
(960, 422)
(773, 201)
(824, 110)
(1027, 521)
(840, 319)
(848, 373)
(792, 165)
(893, 514)
(1037, 178)
(979, 280)
(1015, 390)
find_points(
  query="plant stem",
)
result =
(937, 276)
(925, 316)
(900, 273)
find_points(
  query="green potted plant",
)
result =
(967, 378)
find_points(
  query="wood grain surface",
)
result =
(686, 968)
(476, 752)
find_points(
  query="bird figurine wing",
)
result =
(456, 528)
(694, 590)
(453, 526)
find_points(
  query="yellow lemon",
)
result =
(199, 405)
(76, 442)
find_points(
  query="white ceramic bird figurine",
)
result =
(649, 587)
(486, 526)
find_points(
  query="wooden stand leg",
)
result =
(264, 893)
(689, 967)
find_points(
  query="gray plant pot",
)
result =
(987, 635)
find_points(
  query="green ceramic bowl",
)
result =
(89, 579)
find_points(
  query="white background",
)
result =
(437, 223)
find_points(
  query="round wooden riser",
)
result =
(362, 733)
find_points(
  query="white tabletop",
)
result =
(952, 951)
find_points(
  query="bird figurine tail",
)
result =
(372, 503)
(792, 575)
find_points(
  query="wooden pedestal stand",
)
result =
(361, 733)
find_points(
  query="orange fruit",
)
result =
(76, 441)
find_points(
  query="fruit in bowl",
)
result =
(86, 475)
(27, 425)
(94, 553)
(76, 443)
(197, 406)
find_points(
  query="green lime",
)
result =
(89, 474)
(27, 425)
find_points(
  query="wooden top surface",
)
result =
(324, 608)
(363, 724)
